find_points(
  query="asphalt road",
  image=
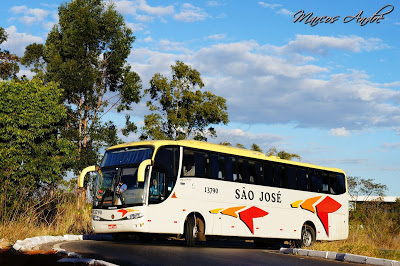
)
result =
(173, 252)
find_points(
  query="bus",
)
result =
(197, 189)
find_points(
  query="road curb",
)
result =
(339, 256)
(33, 243)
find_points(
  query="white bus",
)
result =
(198, 189)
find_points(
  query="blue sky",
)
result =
(330, 93)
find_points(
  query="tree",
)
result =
(240, 146)
(255, 147)
(8, 62)
(366, 187)
(86, 54)
(31, 150)
(179, 109)
(282, 154)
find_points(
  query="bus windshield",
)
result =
(116, 184)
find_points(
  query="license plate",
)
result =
(112, 226)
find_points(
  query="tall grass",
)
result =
(53, 212)
(374, 231)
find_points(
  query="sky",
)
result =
(316, 78)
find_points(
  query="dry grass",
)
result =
(374, 232)
(57, 214)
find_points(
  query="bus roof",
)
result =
(220, 148)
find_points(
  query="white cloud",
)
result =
(135, 8)
(270, 6)
(135, 27)
(217, 36)
(190, 13)
(276, 8)
(247, 138)
(166, 45)
(148, 39)
(157, 10)
(17, 41)
(316, 44)
(269, 89)
(31, 15)
(215, 3)
(285, 12)
(339, 132)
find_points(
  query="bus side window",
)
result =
(258, 174)
(277, 175)
(214, 166)
(341, 181)
(268, 174)
(292, 180)
(325, 182)
(336, 183)
(315, 180)
(221, 167)
(234, 168)
(201, 164)
(302, 181)
(188, 168)
(229, 168)
(255, 173)
(243, 171)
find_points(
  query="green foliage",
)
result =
(34, 56)
(255, 147)
(8, 62)
(31, 150)
(240, 146)
(86, 54)
(282, 154)
(180, 110)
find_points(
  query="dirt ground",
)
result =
(12, 257)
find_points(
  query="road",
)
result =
(173, 252)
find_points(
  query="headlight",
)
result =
(135, 216)
(96, 218)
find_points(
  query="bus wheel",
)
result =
(307, 236)
(190, 231)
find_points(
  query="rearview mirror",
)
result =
(93, 168)
(142, 169)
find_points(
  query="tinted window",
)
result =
(302, 180)
(316, 180)
(164, 174)
(337, 183)
(243, 171)
(277, 175)
(221, 166)
(214, 166)
(188, 166)
(229, 166)
(201, 162)
(292, 179)
(325, 182)
(268, 174)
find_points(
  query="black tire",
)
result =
(190, 231)
(307, 236)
